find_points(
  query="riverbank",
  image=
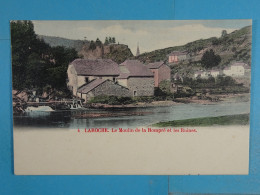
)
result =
(187, 100)
(19, 107)
(240, 119)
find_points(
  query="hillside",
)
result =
(116, 52)
(59, 41)
(235, 46)
(92, 49)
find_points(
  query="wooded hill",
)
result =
(235, 46)
(59, 41)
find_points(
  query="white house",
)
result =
(236, 69)
(206, 73)
(214, 73)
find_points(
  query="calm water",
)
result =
(68, 119)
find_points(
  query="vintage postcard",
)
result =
(131, 97)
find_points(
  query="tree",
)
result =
(92, 45)
(223, 33)
(106, 41)
(34, 63)
(24, 43)
(98, 42)
(209, 59)
(113, 40)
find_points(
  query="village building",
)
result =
(102, 87)
(237, 69)
(136, 77)
(178, 56)
(161, 72)
(90, 78)
(207, 73)
(214, 73)
(83, 71)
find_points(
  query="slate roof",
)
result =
(91, 85)
(155, 65)
(134, 68)
(99, 67)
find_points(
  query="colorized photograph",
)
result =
(125, 96)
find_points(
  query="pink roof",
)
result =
(155, 65)
(90, 86)
(100, 67)
(135, 69)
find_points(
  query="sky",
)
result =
(150, 34)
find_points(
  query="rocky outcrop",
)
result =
(116, 52)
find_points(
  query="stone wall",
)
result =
(164, 73)
(141, 86)
(156, 77)
(111, 89)
(122, 82)
(72, 79)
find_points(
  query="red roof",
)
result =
(91, 85)
(99, 67)
(134, 68)
(155, 65)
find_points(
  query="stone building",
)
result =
(178, 56)
(90, 78)
(161, 72)
(136, 77)
(82, 71)
(102, 87)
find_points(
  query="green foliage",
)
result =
(223, 33)
(109, 40)
(106, 41)
(111, 100)
(118, 53)
(225, 81)
(98, 43)
(209, 59)
(219, 85)
(240, 119)
(34, 63)
(165, 87)
(146, 99)
(117, 100)
(92, 45)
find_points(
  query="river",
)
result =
(136, 116)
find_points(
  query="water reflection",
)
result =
(127, 117)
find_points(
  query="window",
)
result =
(86, 79)
(135, 93)
(114, 79)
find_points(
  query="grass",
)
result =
(240, 119)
